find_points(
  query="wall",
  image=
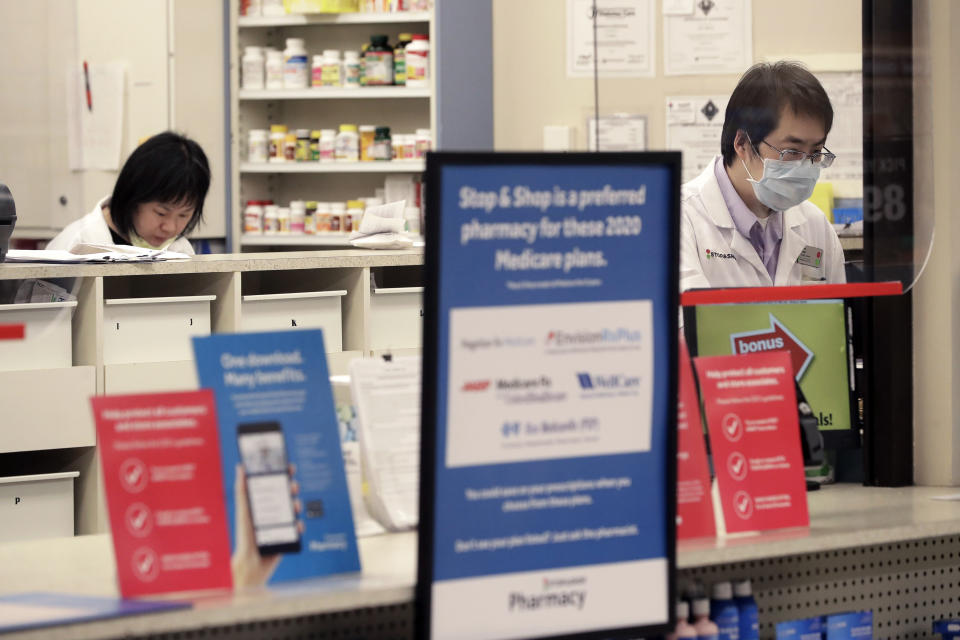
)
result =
(531, 88)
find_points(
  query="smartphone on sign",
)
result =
(264, 455)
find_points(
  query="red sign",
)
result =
(776, 338)
(161, 468)
(11, 332)
(751, 410)
(694, 506)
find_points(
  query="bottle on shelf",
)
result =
(351, 69)
(348, 143)
(399, 61)
(316, 71)
(378, 62)
(381, 150)
(258, 144)
(283, 220)
(298, 214)
(271, 223)
(367, 134)
(337, 211)
(705, 628)
(252, 68)
(278, 136)
(747, 609)
(331, 75)
(328, 145)
(273, 67)
(310, 217)
(295, 67)
(684, 630)
(723, 611)
(417, 56)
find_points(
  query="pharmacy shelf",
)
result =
(851, 243)
(298, 240)
(334, 93)
(333, 18)
(392, 166)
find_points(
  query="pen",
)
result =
(86, 83)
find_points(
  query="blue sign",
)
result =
(547, 476)
(287, 499)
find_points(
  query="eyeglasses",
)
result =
(822, 159)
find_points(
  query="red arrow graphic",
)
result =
(776, 338)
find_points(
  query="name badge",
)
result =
(810, 257)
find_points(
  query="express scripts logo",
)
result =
(589, 338)
(716, 254)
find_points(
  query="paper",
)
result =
(625, 38)
(618, 132)
(694, 125)
(716, 39)
(846, 136)
(95, 118)
(94, 253)
(387, 396)
(677, 7)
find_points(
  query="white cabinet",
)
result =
(153, 329)
(308, 310)
(47, 342)
(36, 506)
(396, 318)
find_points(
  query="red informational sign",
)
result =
(751, 411)
(161, 468)
(694, 506)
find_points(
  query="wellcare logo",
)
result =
(609, 382)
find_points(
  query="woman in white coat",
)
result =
(157, 199)
(745, 219)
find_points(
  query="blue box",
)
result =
(807, 629)
(850, 626)
(847, 215)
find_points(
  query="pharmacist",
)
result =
(157, 199)
(745, 220)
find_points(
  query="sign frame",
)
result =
(436, 163)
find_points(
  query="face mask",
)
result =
(137, 241)
(784, 184)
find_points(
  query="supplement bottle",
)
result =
(274, 69)
(747, 609)
(363, 63)
(298, 214)
(331, 68)
(684, 630)
(295, 67)
(423, 143)
(310, 217)
(328, 145)
(723, 611)
(283, 219)
(337, 212)
(399, 62)
(271, 223)
(381, 145)
(354, 214)
(351, 69)
(706, 630)
(367, 134)
(417, 56)
(316, 72)
(323, 217)
(302, 150)
(257, 145)
(290, 147)
(378, 62)
(252, 68)
(347, 144)
(253, 217)
(315, 145)
(278, 133)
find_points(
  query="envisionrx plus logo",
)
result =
(711, 254)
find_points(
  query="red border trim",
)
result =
(783, 294)
(11, 332)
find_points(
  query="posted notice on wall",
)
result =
(846, 136)
(618, 132)
(751, 409)
(551, 394)
(716, 38)
(694, 504)
(287, 501)
(625, 38)
(161, 472)
(694, 127)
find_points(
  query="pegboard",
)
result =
(907, 585)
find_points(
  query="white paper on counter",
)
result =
(694, 125)
(677, 7)
(95, 134)
(618, 132)
(626, 37)
(387, 397)
(846, 136)
(717, 38)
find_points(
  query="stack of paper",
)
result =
(94, 253)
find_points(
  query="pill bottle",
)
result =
(351, 69)
(274, 69)
(290, 147)
(323, 217)
(301, 151)
(272, 8)
(411, 216)
(250, 7)
(363, 63)
(298, 213)
(283, 219)
(347, 144)
(331, 68)
(257, 145)
(418, 61)
(381, 149)
(315, 145)
(316, 72)
(328, 145)
(423, 143)
(253, 217)
(378, 62)
(271, 224)
(367, 133)
(278, 133)
(295, 67)
(399, 61)
(353, 215)
(252, 68)
(337, 212)
(310, 217)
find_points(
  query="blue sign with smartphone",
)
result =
(287, 500)
(549, 401)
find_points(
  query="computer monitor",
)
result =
(817, 334)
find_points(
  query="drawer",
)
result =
(46, 343)
(39, 506)
(282, 311)
(150, 377)
(153, 329)
(396, 318)
(47, 409)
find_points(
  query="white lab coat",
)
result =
(707, 226)
(92, 229)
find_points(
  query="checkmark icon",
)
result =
(133, 475)
(737, 465)
(138, 519)
(145, 565)
(732, 427)
(743, 505)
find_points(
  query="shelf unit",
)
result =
(403, 109)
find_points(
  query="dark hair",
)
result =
(761, 95)
(168, 168)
